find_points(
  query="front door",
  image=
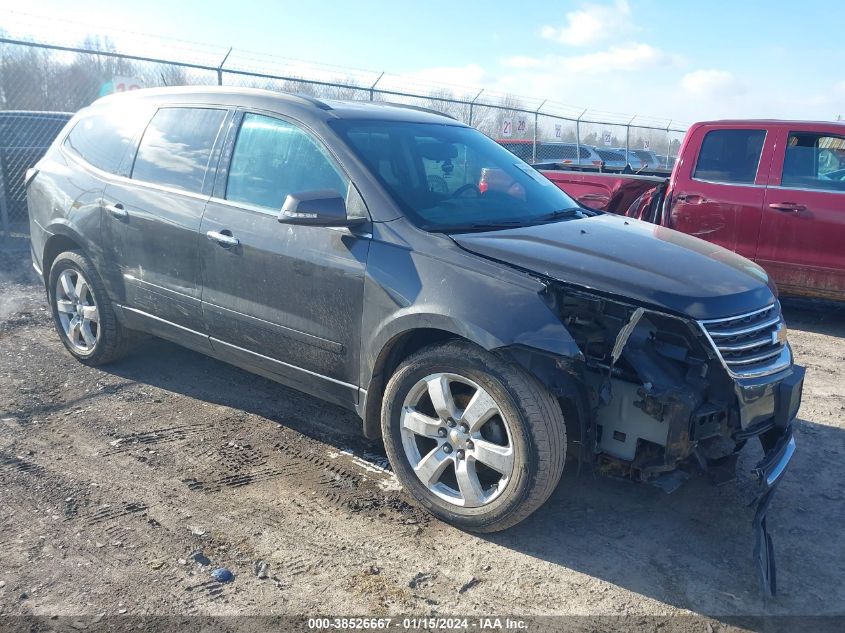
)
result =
(153, 218)
(280, 299)
(802, 237)
(719, 196)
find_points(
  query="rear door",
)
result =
(802, 237)
(280, 299)
(152, 219)
(718, 188)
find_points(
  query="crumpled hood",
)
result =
(647, 263)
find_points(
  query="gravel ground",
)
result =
(122, 488)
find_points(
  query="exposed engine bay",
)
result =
(661, 402)
(659, 395)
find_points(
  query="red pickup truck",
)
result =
(773, 191)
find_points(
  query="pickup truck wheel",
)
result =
(475, 439)
(82, 311)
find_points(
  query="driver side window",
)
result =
(273, 158)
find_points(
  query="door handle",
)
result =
(116, 210)
(224, 238)
(690, 198)
(787, 207)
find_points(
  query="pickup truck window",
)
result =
(730, 156)
(452, 177)
(814, 161)
(273, 158)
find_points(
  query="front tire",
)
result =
(82, 311)
(476, 440)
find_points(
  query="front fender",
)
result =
(481, 301)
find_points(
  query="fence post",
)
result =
(628, 136)
(578, 138)
(220, 67)
(4, 209)
(471, 104)
(668, 143)
(373, 87)
(534, 140)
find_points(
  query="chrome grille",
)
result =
(752, 344)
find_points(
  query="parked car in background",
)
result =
(24, 137)
(348, 250)
(666, 162)
(553, 152)
(649, 159)
(611, 159)
(634, 162)
(772, 191)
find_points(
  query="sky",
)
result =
(663, 59)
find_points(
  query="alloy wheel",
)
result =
(77, 311)
(457, 440)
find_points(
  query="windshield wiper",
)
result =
(468, 228)
(574, 212)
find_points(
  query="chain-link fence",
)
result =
(42, 82)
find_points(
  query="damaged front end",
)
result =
(666, 395)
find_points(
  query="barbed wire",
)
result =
(28, 27)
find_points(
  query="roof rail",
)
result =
(312, 100)
(417, 108)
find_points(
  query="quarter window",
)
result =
(814, 161)
(176, 147)
(103, 137)
(730, 156)
(273, 158)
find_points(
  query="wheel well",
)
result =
(56, 244)
(397, 349)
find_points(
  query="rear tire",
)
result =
(83, 313)
(475, 439)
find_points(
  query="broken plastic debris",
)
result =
(221, 574)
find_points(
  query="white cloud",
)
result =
(712, 83)
(521, 62)
(592, 23)
(630, 57)
(468, 75)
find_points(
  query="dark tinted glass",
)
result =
(730, 156)
(273, 158)
(176, 146)
(555, 151)
(453, 178)
(610, 155)
(814, 161)
(103, 137)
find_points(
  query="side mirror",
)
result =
(316, 208)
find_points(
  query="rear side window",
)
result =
(103, 138)
(814, 161)
(546, 152)
(273, 158)
(730, 156)
(176, 147)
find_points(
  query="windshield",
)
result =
(453, 178)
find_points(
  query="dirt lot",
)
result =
(122, 488)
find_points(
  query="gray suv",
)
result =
(405, 266)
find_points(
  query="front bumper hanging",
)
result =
(779, 444)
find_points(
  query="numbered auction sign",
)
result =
(558, 131)
(607, 138)
(507, 127)
(521, 125)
